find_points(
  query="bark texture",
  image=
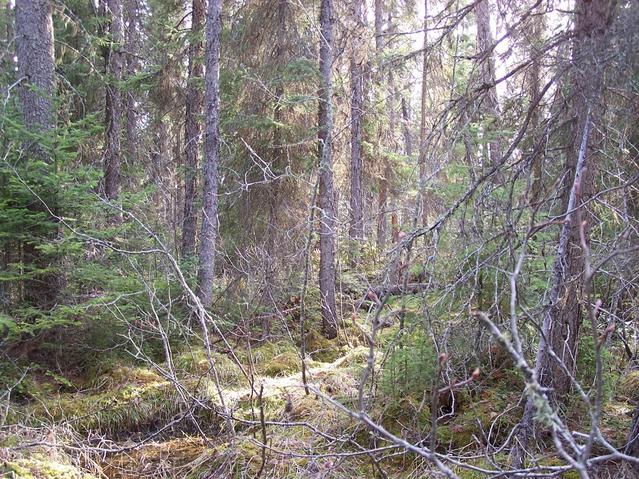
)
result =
(326, 196)
(34, 50)
(35, 55)
(423, 153)
(563, 315)
(356, 231)
(192, 129)
(132, 38)
(490, 103)
(208, 236)
(113, 107)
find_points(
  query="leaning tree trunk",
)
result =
(206, 272)
(113, 107)
(35, 58)
(356, 231)
(192, 129)
(326, 197)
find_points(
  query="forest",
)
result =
(319, 239)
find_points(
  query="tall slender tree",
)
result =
(192, 128)
(113, 106)
(423, 153)
(133, 45)
(490, 103)
(206, 271)
(326, 196)
(356, 231)
(382, 199)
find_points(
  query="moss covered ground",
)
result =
(134, 421)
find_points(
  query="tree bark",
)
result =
(563, 315)
(206, 272)
(408, 137)
(536, 158)
(35, 58)
(423, 153)
(192, 129)
(326, 196)
(382, 197)
(490, 104)
(113, 107)
(34, 50)
(132, 37)
(356, 231)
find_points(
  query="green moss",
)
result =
(196, 363)
(282, 364)
(320, 348)
(125, 408)
(629, 386)
(34, 468)
(555, 461)
(161, 459)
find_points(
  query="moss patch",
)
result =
(175, 458)
(34, 468)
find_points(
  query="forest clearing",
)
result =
(319, 239)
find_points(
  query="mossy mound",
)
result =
(40, 468)
(616, 419)
(322, 349)
(490, 416)
(197, 363)
(182, 457)
(629, 386)
(281, 365)
(127, 376)
(403, 414)
(131, 408)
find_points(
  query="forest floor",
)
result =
(136, 421)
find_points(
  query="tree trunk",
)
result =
(326, 196)
(34, 51)
(384, 177)
(490, 104)
(132, 65)
(408, 137)
(356, 231)
(206, 272)
(192, 129)
(35, 58)
(536, 158)
(113, 107)
(423, 200)
(563, 315)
